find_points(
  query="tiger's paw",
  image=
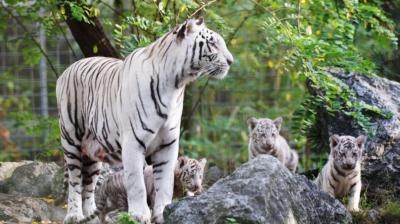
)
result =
(158, 219)
(143, 219)
(353, 209)
(89, 208)
(73, 218)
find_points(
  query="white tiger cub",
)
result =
(112, 195)
(341, 175)
(264, 138)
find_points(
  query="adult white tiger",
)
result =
(112, 110)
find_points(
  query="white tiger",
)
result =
(264, 138)
(112, 110)
(111, 194)
(341, 175)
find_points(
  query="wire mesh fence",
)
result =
(27, 88)
(21, 89)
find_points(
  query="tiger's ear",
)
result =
(188, 27)
(278, 123)
(251, 123)
(182, 161)
(334, 141)
(360, 140)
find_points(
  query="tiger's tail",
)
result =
(61, 199)
(100, 203)
(95, 214)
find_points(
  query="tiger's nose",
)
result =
(229, 58)
(349, 166)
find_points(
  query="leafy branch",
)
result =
(16, 18)
(201, 8)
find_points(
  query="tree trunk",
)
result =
(90, 36)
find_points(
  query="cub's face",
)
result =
(192, 173)
(347, 150)
(263, 132)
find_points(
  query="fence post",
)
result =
(44, 111)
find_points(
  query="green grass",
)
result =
(125, 218)
(391, 212)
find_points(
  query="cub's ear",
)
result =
(278, 123)
(203, 162)
(188, 27)
(334, 141)
(182, 161)
(360, 140)
(251, 123)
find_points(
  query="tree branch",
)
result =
(64, 35)
(31, 37)
(201, 8)
(233, 34)
(203, 89)
(90, 36)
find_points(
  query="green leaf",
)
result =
(95, 49)
(31, 55)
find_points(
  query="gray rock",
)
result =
(7, 168)
(381, 167)
(14, 209)
(57, 185)
(259, 191)
(33, 179)
(213, 174)
(374, 215)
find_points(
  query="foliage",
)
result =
(230, 220)
(391, 212)
(46, 127)
(332, 44)
(125, 218)
(278, 46)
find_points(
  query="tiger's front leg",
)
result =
(164, 160)
(354, 197)
(133, 161)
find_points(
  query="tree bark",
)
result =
(90, 36)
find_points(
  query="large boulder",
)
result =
(259, 191)
(381, 167)
(33, 179)
(6, 170)
(15, 209)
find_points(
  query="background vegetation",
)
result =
(277, 45)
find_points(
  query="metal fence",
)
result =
(25, 88)
(35, 85)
